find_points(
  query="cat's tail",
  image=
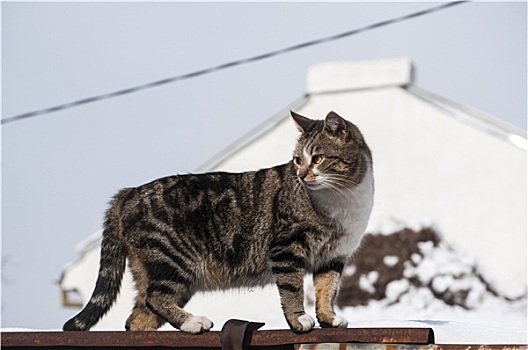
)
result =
(111, 269)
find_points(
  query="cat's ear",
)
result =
(303, 122)
(336, 125)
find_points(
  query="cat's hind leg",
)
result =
(170, 288)
(165, 300)
(141, 318)
(163, 291)
(164, 275)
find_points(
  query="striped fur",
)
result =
(188, 233)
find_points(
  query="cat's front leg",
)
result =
(288, 270)
(326, 283)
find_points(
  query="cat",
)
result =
(197, 232)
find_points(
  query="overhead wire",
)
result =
(223, 66)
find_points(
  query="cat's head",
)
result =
(330, 153)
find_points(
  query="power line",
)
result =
(226, 65)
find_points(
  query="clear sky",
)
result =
(59, 170)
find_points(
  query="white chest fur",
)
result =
(350, 211)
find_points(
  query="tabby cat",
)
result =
(188, 233)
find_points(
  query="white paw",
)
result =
(340, 322)
(307, 322)
(196, 324)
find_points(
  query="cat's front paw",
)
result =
(196, 325)
(303, 324)
(336, 322)
(340, 322)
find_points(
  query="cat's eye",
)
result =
(317, 159)
(297, 160)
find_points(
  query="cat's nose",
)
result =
(302, 172)
(306, 175)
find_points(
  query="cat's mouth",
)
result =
(313, 185)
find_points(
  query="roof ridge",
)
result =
(474, 117)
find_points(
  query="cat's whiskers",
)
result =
(297, 185)
(351, 184)
(342, 179)
(343, 193)
(343, 186)
(335, 185)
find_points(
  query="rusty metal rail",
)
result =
(240, 335)
(213, 340)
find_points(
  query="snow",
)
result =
(493, 323)
(390, 260)
(366, 282)
(463, 332)
(445, 270)
(439, 262)
(349, 270)
(396, 289)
